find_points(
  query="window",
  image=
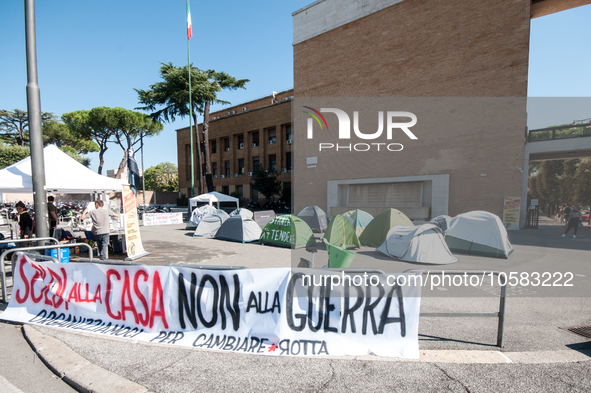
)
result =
(255, 164)
(202, 148)
(272, 136)
(255, 139)
(213, 147)
(241, 166)
(288, 162)
(272, 163)
(240, 142)
(227, 144)
(239, 191)
(227, 168)
(226, 190)
(214, 169)
(288, 135)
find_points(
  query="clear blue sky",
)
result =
(95, 53)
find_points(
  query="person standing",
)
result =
(53, 218)
(573, 222)
(100, 221)
(25, 222)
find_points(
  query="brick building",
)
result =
(242, 138)
(460, 66)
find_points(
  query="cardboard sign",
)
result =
(262, 311)
(511, 212)
(162, 218)
(135, 248)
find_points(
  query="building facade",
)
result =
(459, 67)
(242, 138)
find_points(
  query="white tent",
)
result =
(421, 244)
(443, 222)
(62, 174)
(210, 224)
(198, 215)
(244, 213)
(211, 198)
(478, 232)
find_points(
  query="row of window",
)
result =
(226, 171)
(254, 139)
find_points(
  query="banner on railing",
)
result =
(263, 311)
(162, 218)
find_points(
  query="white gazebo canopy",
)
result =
(211, 198)
(63, 174)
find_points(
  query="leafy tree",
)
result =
(133, 125)
(567, 181)
(583, 182)
(14, 126)
(110, 125)
(12, 154)
(74, 154)
(218, 81)
(162, 177)
(172, 96)
(266, 183)
(533, 187)
(57, 133)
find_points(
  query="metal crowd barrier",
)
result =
(11, 229)
(500, 314)
(33, 248)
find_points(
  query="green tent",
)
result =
(340, 232)
(287, 231)
(374, 235)
(359, 219)
(338, 257)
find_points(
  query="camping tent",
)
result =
(62, 174)
(239, 229)
(287, 231)
(198, 215)
(422, 244)
(375, 233)
(210, 224)
(478, 232)
(340, 232)
(315, 217)
(263, 217)
(359, 219)
(442, 222)
(211, 198)
(242, 212)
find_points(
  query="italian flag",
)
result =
(189, 25)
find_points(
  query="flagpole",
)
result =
(189, 34)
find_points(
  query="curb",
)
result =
(74, 369)
(87, 377)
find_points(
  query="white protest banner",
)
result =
(260, 311)
(162, 218)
